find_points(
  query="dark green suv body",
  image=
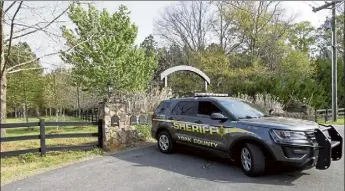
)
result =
(244, 133)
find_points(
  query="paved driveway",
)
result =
(148, 169)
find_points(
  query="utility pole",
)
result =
(344, 52)
(334, 57)
(334, 67)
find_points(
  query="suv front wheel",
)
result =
(165, 143)
(252, 160)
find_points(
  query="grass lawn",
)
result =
(18, 167)
(340, 121)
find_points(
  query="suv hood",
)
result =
(281, 123)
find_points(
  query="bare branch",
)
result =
(11, 34)
(24, 69)
(186, 23)
(9, 7)
(10, 69)
(270, 18)
(40, 28)
(236, 45)
(33, 27)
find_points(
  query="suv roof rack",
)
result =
(210, 95)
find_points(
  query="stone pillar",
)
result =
(118, 132)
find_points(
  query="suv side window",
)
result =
(162, 107)
(185, 108)
(206, 108)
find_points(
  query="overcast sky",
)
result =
(143, 14)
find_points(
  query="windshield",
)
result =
(242, 109)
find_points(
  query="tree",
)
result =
(323, 39)
(24, 87)
(168, 57)
(57, 91)
(322, 56)
(258, 30)
(301, 36)
(222, 26)
(107, 51)
(323, 77)
(293, 73)
(149, 45)
(7, 41)
(214, 62)
(185, 24)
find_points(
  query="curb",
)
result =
(125, 150)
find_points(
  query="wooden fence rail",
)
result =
(329, 111)
(85, 114)
(43, 136)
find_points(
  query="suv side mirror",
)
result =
(218, 116)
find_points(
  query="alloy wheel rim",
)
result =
(246, 159)
(164, 142)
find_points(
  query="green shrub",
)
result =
(145, 130)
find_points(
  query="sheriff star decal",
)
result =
(221, 131)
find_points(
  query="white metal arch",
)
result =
(165, 73)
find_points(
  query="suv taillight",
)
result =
(153, 116)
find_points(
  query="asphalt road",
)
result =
(148, 169)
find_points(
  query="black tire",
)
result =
(170, 147)
(257, 159)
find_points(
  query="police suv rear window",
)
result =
(185, 108)
(163, 107)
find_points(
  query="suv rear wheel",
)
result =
(165, 143)
(252, 160)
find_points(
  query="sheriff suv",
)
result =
(244, 133)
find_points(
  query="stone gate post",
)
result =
(118, 132)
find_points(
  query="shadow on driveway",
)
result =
(203, 166)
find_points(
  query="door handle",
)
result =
(198, 121)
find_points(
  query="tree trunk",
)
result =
(46, 109)
(3, 98)
(3, 81)
(56, 114)
(50, 112)
(78, 100)
(15, 113)
(24, 113)
(63, 114)
(38, 112)
(57, 117)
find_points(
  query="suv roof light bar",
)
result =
(210, 95)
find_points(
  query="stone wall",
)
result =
(118, 132)
(118, 112)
